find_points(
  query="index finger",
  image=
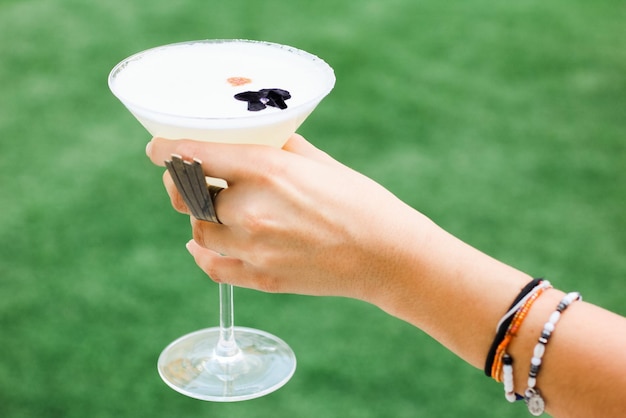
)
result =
(237, 159)
(220, 160)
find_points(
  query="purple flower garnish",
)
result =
(259, 100)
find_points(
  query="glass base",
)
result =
(261, 364)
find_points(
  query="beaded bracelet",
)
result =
(532, 396)
(505, 322)
(516, 307)
(507, 378)
(519, 317)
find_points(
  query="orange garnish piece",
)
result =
(238, 81)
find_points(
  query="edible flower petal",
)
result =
(259, 100)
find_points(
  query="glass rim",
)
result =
(119, 67)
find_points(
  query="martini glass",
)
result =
(235, 91)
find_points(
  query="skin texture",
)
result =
(294, 220)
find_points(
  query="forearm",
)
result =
(282, 231)
(450, 290)
(457, 295)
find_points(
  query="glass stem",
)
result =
(226, 346)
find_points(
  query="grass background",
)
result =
(503, 122)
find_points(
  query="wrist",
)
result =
(408, 267)
(448, 289)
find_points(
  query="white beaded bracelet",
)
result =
(536, 404)
(507, 372)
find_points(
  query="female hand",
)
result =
(294, 220)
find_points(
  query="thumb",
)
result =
(298, 145)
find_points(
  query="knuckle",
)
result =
(210, 264)
(272, 172)
(178, 203)
(212, 272)
(254, 221)
(267, 284)
(263, 267)
(200, 235)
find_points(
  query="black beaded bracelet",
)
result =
(504, 325)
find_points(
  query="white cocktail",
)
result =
(187, 90)
(235, 91)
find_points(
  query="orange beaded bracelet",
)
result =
(518, 319)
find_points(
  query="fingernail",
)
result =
(189, 247)
(149, 148)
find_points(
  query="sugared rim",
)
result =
(122, 64)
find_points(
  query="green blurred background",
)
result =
(503, 122)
